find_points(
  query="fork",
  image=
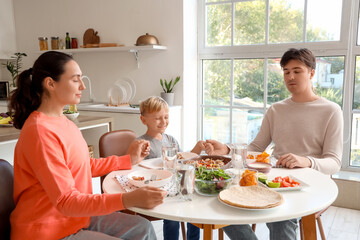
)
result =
(153, 178)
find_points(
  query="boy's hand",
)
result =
(145, 197)
(200, 145)
(138, 150)
(213, 147)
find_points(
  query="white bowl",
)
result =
(162, 177)
(71, 116)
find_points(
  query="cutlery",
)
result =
(153, 178)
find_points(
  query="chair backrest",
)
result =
(115, 142)
(6, 197)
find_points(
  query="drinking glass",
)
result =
(169, 157)
(185, 173)
(238, 155)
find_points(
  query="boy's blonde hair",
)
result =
(153, 104)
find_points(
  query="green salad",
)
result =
(211, 181)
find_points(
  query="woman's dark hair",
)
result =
(28, 95)
(303, 55)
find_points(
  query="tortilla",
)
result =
(253, 197)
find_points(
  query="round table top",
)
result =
(320, 193)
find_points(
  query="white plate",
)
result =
(116, 93)
(284, 189)
(249, 209)
(127, 88)
(133, 86)
(152, 163)
(162, 177)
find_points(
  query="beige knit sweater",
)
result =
(312, 129)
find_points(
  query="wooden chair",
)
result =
(6, 198)
(319, 223)
(117, 143)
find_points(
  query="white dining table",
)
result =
(210, 213)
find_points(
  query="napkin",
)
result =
(123, 180)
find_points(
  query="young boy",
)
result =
(155, 115)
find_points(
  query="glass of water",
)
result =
(169, 157)
(185, 173)
(238, 155)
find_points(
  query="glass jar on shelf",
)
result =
(43, 43)
(54, 43)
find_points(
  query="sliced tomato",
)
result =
(286, 179)
(285, 184)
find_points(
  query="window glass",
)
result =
(216, 124)
(245, 125)
(249, 82)
(277, 90)
(218, 24)
(356, 101)
(324, 26)
(217, 77)
(329, 78)
(286, 20)
(249, 26)
(355, 141)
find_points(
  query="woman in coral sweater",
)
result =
(52, 168)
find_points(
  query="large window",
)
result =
(240, 45)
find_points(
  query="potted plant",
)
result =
(14, 66)
(168, 95)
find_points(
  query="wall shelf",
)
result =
(133, 49)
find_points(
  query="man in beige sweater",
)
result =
(307, 131)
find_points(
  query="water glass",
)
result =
(238, 155)
(169, 157)
(186, 180)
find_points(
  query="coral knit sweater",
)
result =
(52, 180)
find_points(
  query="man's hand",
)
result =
(291, 160)
(213, 147)
(145, 197)
(138, 150)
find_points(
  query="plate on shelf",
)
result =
(285, 189)
(133, 86)
(116, 94)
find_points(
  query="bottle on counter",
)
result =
(43, 43)
(67, 41)
(74, 43)
(54, 43)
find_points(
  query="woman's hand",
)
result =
(213, 147)
(291, 160)
(145, 197)
(138, 150)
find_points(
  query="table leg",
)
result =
(208, 228)
(309, 227)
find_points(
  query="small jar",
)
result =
(54, 43)
(43, 43)
(74, 43)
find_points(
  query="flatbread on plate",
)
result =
(252, 197)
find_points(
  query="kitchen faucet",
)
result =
(91, 96)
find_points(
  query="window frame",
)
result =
(346, 47)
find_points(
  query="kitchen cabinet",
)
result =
(132, 49)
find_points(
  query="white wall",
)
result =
(7, 34)
(117, 21)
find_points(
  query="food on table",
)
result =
(186, 155)
(208, 163)
(262, 177)
(68, 112)
(250, 156)
(253, 197)
(248, 178)
(5, 119)
(211, 181)
(263, 157)
(136, 178)
(282, 182)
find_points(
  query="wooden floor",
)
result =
(338, 223)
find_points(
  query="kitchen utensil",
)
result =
(147, 39)
(153, 178)
(91, 37)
